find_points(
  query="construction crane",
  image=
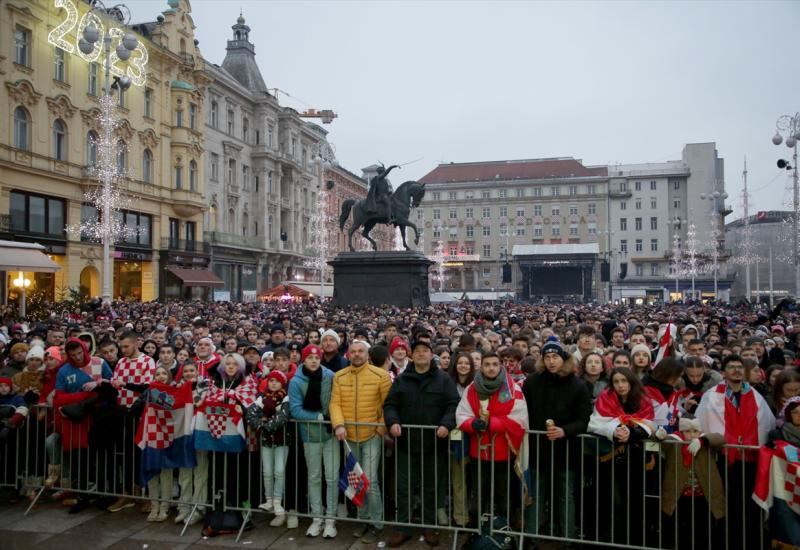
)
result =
(326, 115)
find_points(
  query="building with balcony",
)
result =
(650, 207)
(479, 211)
(50, 105)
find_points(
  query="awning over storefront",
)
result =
(286, 289)
(16, 256)
(196, 277)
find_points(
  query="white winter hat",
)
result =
(332, 333)
(36, 352)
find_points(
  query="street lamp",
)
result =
(713, 198)
(22, 284)
(86, 44)
(787, 128)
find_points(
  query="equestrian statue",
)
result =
(383, 206)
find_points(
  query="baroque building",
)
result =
(49, 105)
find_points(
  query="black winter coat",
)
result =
(428, 399)
(567, 402)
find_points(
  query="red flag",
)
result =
(664, 345)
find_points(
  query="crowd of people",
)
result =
(636, 425)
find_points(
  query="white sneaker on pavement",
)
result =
(315, 528)
(330, 529)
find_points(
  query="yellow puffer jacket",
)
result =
(358, 395)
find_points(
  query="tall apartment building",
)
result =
(50, 107)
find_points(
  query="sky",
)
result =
(605, 82)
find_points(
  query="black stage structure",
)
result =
(563, 272)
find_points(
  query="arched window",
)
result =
(192, 176)
(178, 176)
(231, 221)
(147, 166)
(122, 156)
(212, 218)
(269, 228)
(245, 222)
(59, 140)
(21, 128)
(91, 148)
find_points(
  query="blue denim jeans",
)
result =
(368, 455)
(273, 467)
(318, 455)
(556, 486)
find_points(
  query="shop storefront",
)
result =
(133, 273)
(239, 281)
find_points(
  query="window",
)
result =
(214, 166)
(486, 194)
(520, 231)
(591, 208)
(638, 224)
(470, 231)
(60, 65)
(148, 99)
(122, 156)
(246, 178)
(437, 232)
(22, 44)
(190, 232)
(573, 190)
(503, 230)
(214, 114)
(537, 191)
(555, 231)
(555, 191)
(270, 135)
(231, 172)
(487, 252)
(623, 205)
(623, 245)
(653, 203)
(652, 185)
(469, 250)
(122, 98)
(37, 214)
(178, 176)
(420, 214)
(502, 193)
(537, 231)
(654, 223)
(486, 212)
(555, 210)
(623, 186)
(21, 128)
(591, 189)
(520, 212)
(139, 227)
(520, 193)
(192, 116)
(174, 232)
(91, 85)
(453, 233)
(676, 185)
(437, 214)
(453, 250)
(258, 140)
(676, 203)
(304, 158)
(436, 195)
(639, 270)
(486, 230)
(537, 210)
(453, 214)
(179, 118)
(592, 229)
(246, 129)
(270, 183)
(638, 245)
(470, 212)
(452, 195)
(59, 140)
(230, 121)
(638, 204)
(653, 245)
(573, 230)
(573, 209)
(487, 271)
(147, 166)
(294, 148)
(654, 270)
(503, 211)
(89, 216)
(623, 224)
(91, 148)
(638, 185)
(192, 175)
(256, 190)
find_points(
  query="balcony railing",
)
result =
(181, 245)
(229, 239)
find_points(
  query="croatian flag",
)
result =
(219, 426)
(353, 480)
(165, 430)
(665, 344)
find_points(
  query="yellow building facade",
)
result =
(50, 112)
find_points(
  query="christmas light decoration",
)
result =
(438, 264)
(692, 265)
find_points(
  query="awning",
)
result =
(16, 256)
(196, 277)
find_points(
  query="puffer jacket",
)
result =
(357, 396)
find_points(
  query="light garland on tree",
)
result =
(319, 231)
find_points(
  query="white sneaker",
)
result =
(330, 529)
(266, 505)
(278, 520)
(153, 515)
(315, 528)
(291, 520)
(181, 517)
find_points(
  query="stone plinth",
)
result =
(398, 278)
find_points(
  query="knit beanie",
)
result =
(6, 381)
(53, 351)
(266, 355)
(754, 340)
(398, 342)
(310, 349)
(36, 352)
(19, 346)
(554, 346)
(275, 374)
(689, 328)
(332, 333)
(640, 347)
(210, 343)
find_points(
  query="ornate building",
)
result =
(50, 107)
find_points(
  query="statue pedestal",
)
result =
(398, 278)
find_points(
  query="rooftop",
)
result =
(504, 170)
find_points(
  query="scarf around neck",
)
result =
(313, 398)
(486, 387)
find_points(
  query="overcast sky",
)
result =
(603, 82)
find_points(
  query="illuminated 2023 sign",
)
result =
(59, 37)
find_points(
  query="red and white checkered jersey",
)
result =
(133, 371)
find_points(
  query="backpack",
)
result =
(486, 541)
(224, 523)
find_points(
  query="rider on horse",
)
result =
(378, 196)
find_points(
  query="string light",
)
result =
(438, 259)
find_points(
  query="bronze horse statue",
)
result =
(408, 196)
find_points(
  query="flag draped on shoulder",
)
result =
(665, 343)
(165, 430)
(778, 485)
(353, 480)
(219, 426)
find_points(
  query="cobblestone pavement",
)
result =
(50, 526)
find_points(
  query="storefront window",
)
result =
(128, 280)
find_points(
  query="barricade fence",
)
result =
(584, 490)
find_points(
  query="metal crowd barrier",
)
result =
(582, 490)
